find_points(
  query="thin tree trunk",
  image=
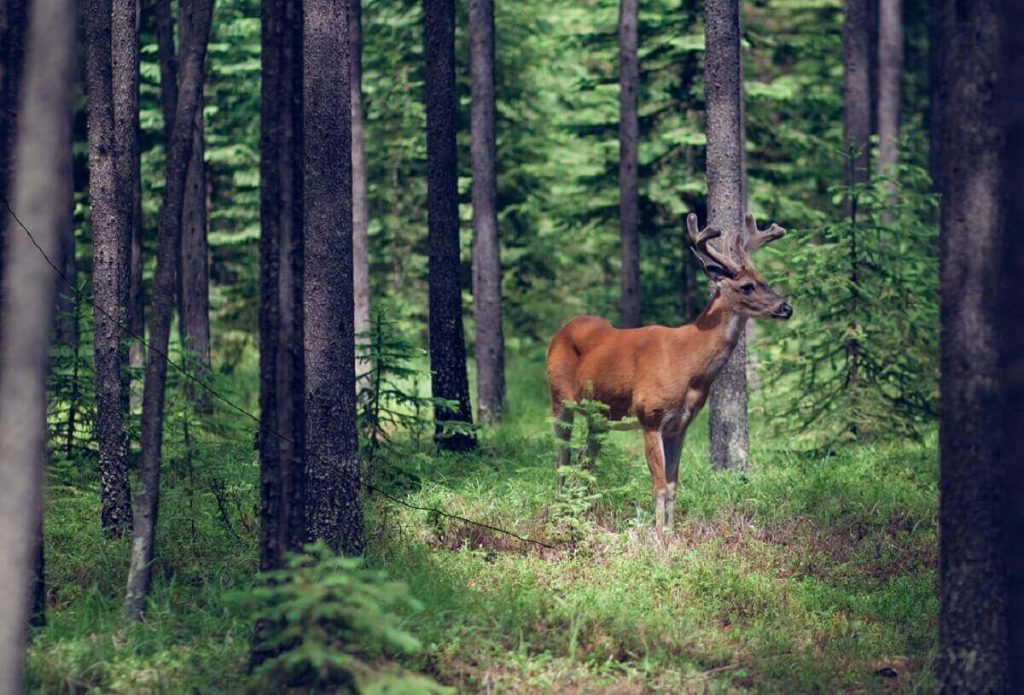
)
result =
(194, 321)
(282, 474)
(111, 229)
(67, 300)
(490, 339)
(360, 205)
(973, 626)
(723, 97)
(447, 340)
(40, 199)
(890, 76)
(193, 55)
(629, 142)
(136, 289)
(856, 93)
(334, 510)
(13, 26)
(167, 56)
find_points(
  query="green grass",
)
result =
(810, 572)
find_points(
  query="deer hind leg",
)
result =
(563, 434)
(672, 442)
(655, 453)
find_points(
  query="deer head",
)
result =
(732, 271)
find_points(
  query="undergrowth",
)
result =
(812, 572)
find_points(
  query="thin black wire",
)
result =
(231, 404)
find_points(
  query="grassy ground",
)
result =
(809, 573)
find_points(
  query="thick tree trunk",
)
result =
(629, 142)
(723, 96)
(973, 626)
(13, 25)
(334, 510)
(360, 204)
(447, 340)
(890, 76)
(111, 226)
(193, 56)
(856, 93)
(490, 338)
(39, 196)
(194, 321)
(281, 435)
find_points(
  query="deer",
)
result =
(658, 376)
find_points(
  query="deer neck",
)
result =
(721, 327)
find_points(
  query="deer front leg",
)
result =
(672, 442)
(655, 453)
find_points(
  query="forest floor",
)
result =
(811, 572)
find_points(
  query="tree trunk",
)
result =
(334, 511)
(890, 76)
(447, 341)
(193, 56)
(1013, 330)
(194, 321)
(490, 338)
(13, 25)
(629, 141)
(168, 58)
(723, 97)
(40, 198)
(360, 205)
(973, 654)
(67, 299)
(856, 94)
(281, 434)
(111, 229)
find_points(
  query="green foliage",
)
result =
(389, 400)
(861, 358)
(322, 615)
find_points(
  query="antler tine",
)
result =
(756, 238)
(705, 252)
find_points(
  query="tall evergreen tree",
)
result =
(629, 143)
(723, 96)
(199, 14)
(13, 25)
(890, 77)
(973, 625)
(109, 149)
(282, 426)
(41, 198)
(490, 339)
(360, 202)
(333, 503)
(447, 341)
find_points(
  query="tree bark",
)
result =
(629, 142)
(67, 299)
(40, 197)
(334, 511)
(194, 321)
(725, 133)
(490, 339)
(360, 204)
(13, 26)
(447, 340)
(1013, 348)
(890, 76)
(856, 94)
(111, 229)
(193, 56)
(281, 391)
(973, 626)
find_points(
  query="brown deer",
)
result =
(659, 375)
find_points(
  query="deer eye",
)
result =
(748, 288)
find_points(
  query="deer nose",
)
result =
(784, 312)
